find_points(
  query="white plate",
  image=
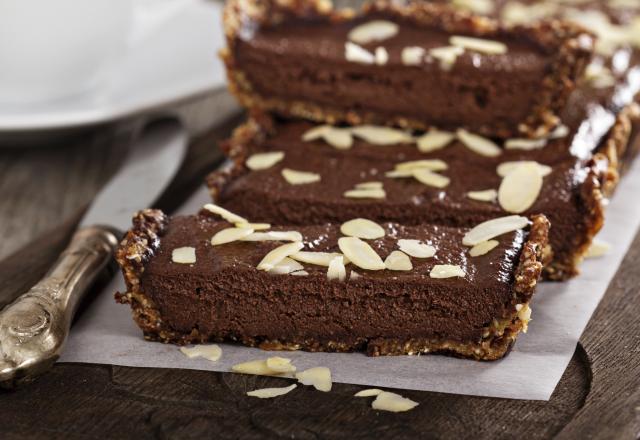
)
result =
(169, 54)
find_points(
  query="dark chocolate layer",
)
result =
(224, 296)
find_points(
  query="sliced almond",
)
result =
(372, 193)
(478, 144)
(446, 271)
(434, 140)
(486, 195)
(412, 55)
(481, 7)
(430, 178)
(299, 177)
(300, 273)
(317, 258)
(336, 270)
(427, 164)
(362, 228)
(354, 275)
(286, 266)
(483, 248)
(493, 228)
(268, 393)
(369, 185)
(339, 138)
(597, 249)
(507, 167)
(280, 364)
(520, 189)
(559, 132)
(381, 55)
(398, 260)
(257, 367)
(376, 30)
(319, 377)
(229, 235)
(184, 255)
(525, 144)
(263, 161)
(446, 55)
(478, 44)
(274, 236)
(278, 254)
(416, 248)
(357, 54)
(225, 214)
(386, 401)
(368, 392)
(210, 352)
(254, 226)
(381, 135)
(524, 314)
(360, 253)
(316, 133)
(394, 174)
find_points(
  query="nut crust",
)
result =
(570, 45)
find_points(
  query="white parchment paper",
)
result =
(105, 333)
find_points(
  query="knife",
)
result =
(34, 328)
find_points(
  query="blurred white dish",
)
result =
(136, 55)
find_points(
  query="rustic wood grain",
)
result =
(598, 396)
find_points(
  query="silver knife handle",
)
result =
(33, 328)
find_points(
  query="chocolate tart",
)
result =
(290, 58)
(222, 296)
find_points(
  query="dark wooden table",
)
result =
(43, 190)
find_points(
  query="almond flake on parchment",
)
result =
(280, 364)
(370, 392)
(597, 249)
(319, 377)
(386, 401)
(267, 393)
(211, 352)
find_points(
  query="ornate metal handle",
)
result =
(33, 328)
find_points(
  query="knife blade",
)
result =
(34, 328)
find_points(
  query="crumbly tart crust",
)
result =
(571, 45)
(144, 239)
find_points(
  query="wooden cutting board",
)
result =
(43, 191)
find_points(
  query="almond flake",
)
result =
(446, 271)
(412, 55)
(184, 255)
(368, 392)
(597, 249)
(376, 30)
(267, 393)
(427, 164)
(319, 377)
(226, 215)
(210, 352)
(254, 226)
(262, 161)
(280, 364)
(479, 45)
(487, 195)
(434, 140)
(381, 135)
(339, 138)
(372, 193)
(278, 254)
(525, 144)
(483, 248)
(478, 144)
(559, 132)
(446, 55)
(520, 189)
(286, 266)
(430, 178)
(493, 228)
(381, 55)
(300, 273)
(481, 7)
(354, 275)
(507, 167)
(257, 367)
(274, 236)
(362, 228)
(524, 315)
(299, 177)
(416, 248)
(315, 133)
(398, 260)
(317, 258)
(229, 235)
(336, 270)
(386, 401)
(369, 185)
(360, 253)
(357, 54)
